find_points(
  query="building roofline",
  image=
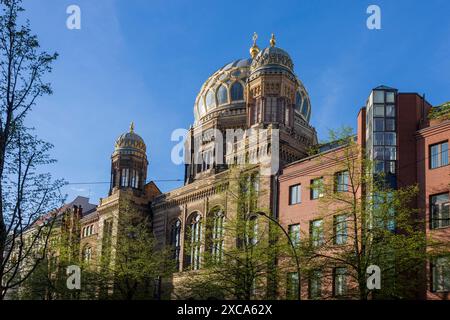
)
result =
(315, 155)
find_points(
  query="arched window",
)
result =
(210, 100)
(298, 101)
(217, 236)
(125, 177)
(201, 107)
(195, 241)
(87, 254)
(175, 241)
(252, 230)
(222, 95)
(237, 92)
(134, 179)
(305, 109)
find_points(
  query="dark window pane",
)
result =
(378, 153)
(390, 111)
(390, 139)
(378, 139)
(378, 124)
(237, 92)
(294, 194)
(222, 95)
(390, 153)
(440, 216)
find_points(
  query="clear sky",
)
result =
(145, 61)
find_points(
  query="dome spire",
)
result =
(272, 41)
(132, 127)
(254, 49)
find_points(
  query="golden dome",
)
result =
(130, 142)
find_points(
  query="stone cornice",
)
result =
(432, 130)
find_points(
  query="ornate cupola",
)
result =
(276, 98)
(129, 162)
(272, 87)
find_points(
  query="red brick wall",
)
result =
(432, 181)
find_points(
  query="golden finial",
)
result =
(132, 127)
(272, 40)
(254, 49)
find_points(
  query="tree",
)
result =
(48, 280)
(241, 247)
(441, 112)
(134, 266)
(26, 193)
(363, 221)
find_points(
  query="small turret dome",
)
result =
(272, 57)
(129, 143)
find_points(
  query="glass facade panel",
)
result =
(378, 96)
(379, 166)
(390, 167)
(390, 97)
(390, 138)
(378, 111)
(378, 124)
(390, 111)
(390, 124)
(381, 132)
(378, 153)
(390, 153)
(378, 139)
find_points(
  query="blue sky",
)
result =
(145, 61)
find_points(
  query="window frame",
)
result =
(292, 280)
(433, 266)
(313, 189)
(296, 238)
(321, 236)
(335, 229)
(344, 283)
(431, 213)
(439, 155)
(315, 275)
(217, 236)
(336, 181)
(299, 194)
